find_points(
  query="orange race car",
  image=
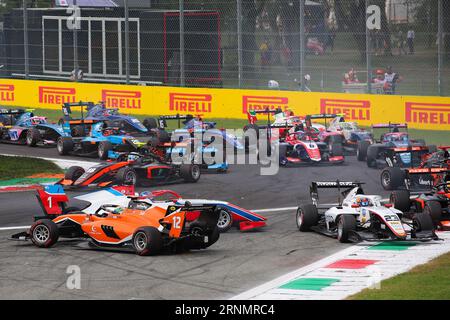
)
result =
(146, 232)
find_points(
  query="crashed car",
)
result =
(20, 126)
(143, 169)
(360, 217)
(435, 202)
(146, 231)
(378, 152)
(300, 148)
(102, 142)
(423, 175)
(93, 113)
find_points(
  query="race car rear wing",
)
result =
(347, 186)
(417, 171)
(322, 116)
(390, 126)
(163, 119)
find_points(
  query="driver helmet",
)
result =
(133, 156)
(363, 202)
(35, 120)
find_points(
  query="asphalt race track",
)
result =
(236, 263)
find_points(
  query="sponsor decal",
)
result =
(7, 93)
(122, 99)
(262, 103)
(55, 95)
(187, 102)
(427, 113)
(356, 110)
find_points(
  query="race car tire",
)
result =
(64, 145)
(361, 151)
(74, 173)
(33, 137)
(307, 217)
(423, 222)
(225, 221)
(198, 243)
(147, 241)
(126, 176)
(283, 155)
(247, 140)
(346, 224)
(44, 233)
(103, 149)
(371, 157)
(190, 172)
(401, 200)
(392, 178)
(150, 123)
(434, 210)
(78, 131)
(337, 150)
(72, 210)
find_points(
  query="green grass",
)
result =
(20, 167)
(430, 281)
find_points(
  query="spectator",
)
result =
(401, 43)
(350, 77)
(391, 79)
(410, 40)
(265, 53)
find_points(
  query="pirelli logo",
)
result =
(263, 103)
(55, 95)
(351, 109)
(7, 93)
(186, 102)
(427, 113)
(122, 99)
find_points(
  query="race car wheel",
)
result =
(345, 226)
(401, 200)
(33, 137)
(126, 176)
(336, 150)
(423, 222)
(44, 233)
(147, 241)
(434, 210)
(64, 145)
(283, 155)
(103, 149)
(250, 143)
(361, 151)
(190, 172)
(74, 173)
(225, 221)
(150, 123)
(307, 217)
(392, 178)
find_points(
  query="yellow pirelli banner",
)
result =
(419, 112)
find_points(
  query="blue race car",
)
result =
(103, 142)
(20, 126)
(110, 116)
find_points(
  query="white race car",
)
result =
(54, 201)
(360, 217)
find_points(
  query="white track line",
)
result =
(14, 228)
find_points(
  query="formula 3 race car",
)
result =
(352, 134)
(300, 148)
(360, 217)
(435, 202)
(146, 231)
(20, 126)
(230, 215)
(102, 142)
(378, 152)
(131, 169)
